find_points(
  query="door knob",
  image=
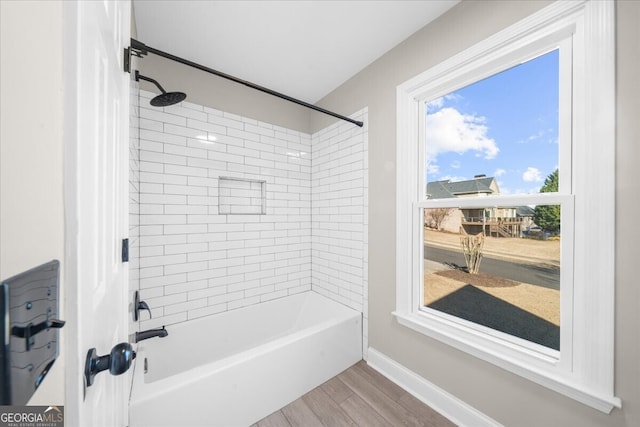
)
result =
(117, 362)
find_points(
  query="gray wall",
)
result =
(31, 149)
(501, 395)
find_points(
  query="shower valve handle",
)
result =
(139, 305)
(143, 306)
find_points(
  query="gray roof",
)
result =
(447, 189)
(524, 211)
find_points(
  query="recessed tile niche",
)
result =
(237, 196)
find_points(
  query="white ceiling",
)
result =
(304, 49)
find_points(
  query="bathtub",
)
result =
(235, 368)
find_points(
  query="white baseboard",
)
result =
(446, 404)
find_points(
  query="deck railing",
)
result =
(495, 220)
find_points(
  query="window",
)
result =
(507, 123)
(505, 161)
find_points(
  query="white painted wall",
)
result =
(31, 144)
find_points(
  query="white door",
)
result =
(96, 159)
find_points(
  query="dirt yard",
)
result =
(539, 301)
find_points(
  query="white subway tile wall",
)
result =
(339, 215)
(134, 197)
(196, 260)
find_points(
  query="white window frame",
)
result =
(584, 368)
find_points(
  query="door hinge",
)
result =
(125, 250)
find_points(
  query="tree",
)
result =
(472, 250)
(548, 216)
(436, 217)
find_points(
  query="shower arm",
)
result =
(149, 79)
(138, 49)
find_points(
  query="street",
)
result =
(545, 276)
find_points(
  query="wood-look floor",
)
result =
(359, 396)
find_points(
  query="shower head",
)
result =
(168, 98)
(165, 98)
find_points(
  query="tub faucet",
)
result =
(143, 335)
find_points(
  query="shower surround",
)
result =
(205, 248)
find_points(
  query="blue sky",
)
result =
(504, 126)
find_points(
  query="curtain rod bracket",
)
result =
(129, 52)
(139, 49)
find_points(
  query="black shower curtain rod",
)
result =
(142, 49)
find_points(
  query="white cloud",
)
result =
(432, 168)
(538, 135)
(455, 164)
(504, 191)
(532, 175)
(453, 97)
(544, 135)
(499, 172)
(435, 104)
(532, 190)
(448, 130)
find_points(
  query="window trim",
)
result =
(585, 371)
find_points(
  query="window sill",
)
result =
(504, 355)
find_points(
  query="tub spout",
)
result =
(143, 335)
